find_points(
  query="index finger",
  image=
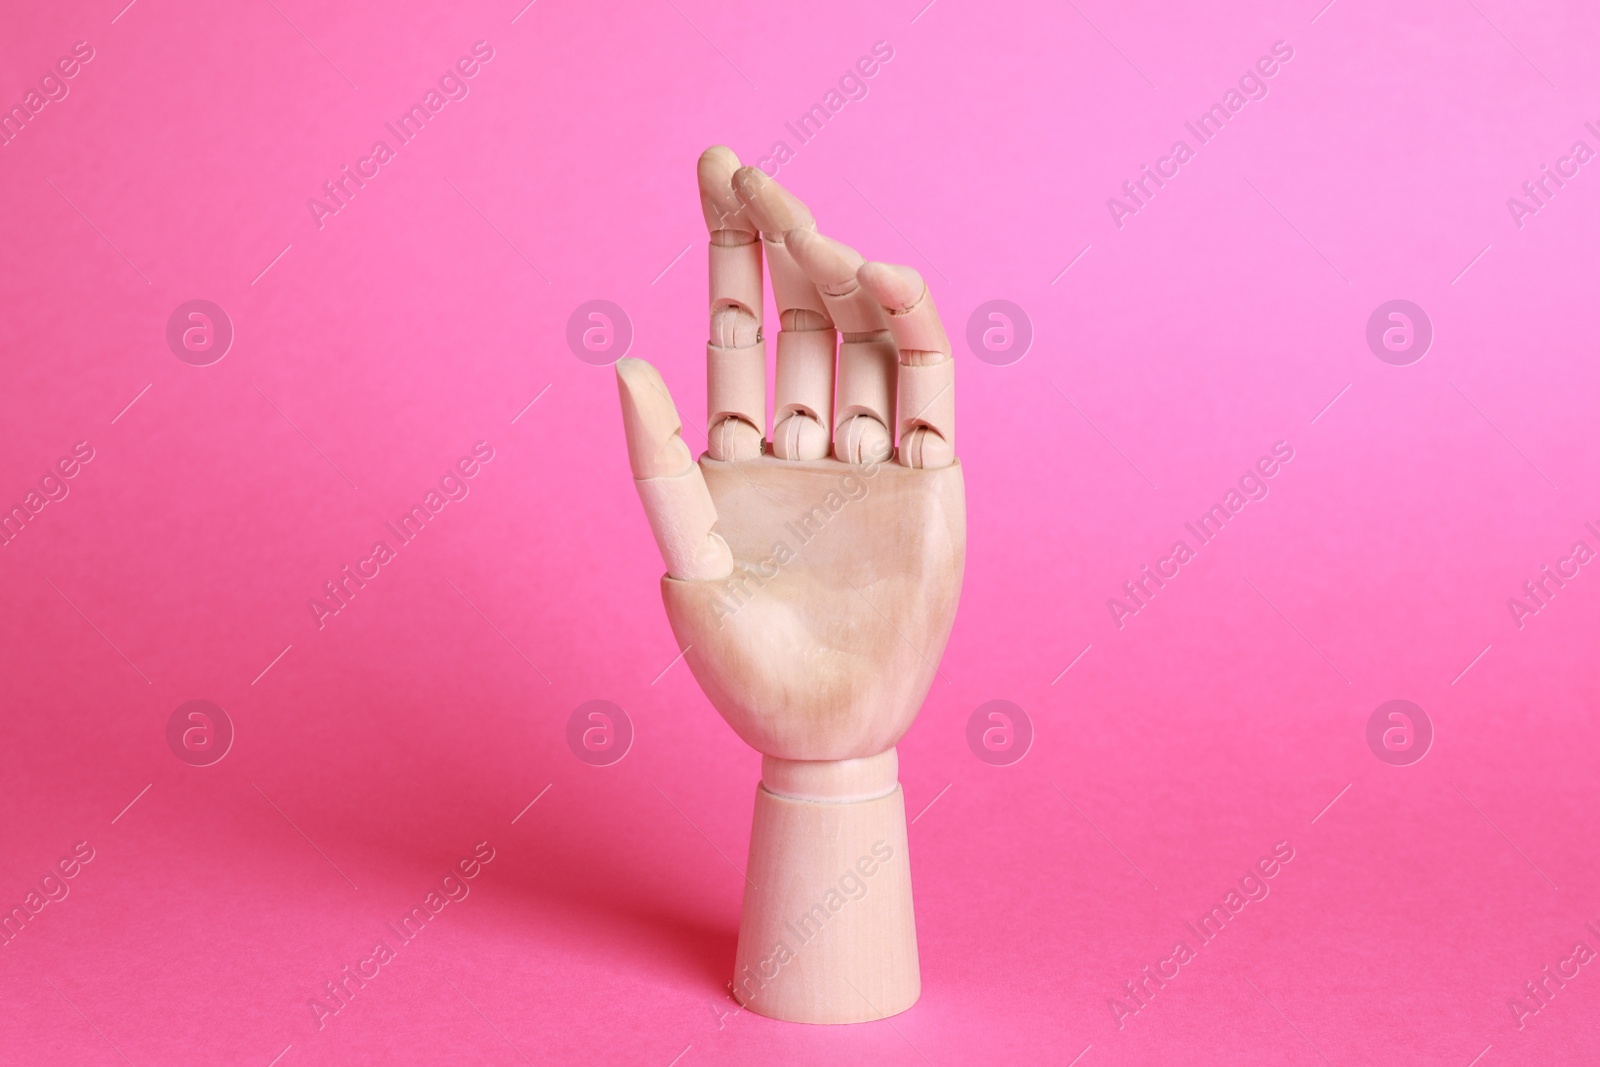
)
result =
(736, 361)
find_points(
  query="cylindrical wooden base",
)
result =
(827, 933)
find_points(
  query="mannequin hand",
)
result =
(813, 581)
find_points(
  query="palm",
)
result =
(823, 641)
(812, 582)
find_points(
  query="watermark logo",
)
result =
(599, 332)
(1399, 332)
(999, 332)
(1399, 733)
(850, 487)
(1541, 990)
(809, 925)
(1537, 592)
(453, 888)
(851, 86)
(53, 888)
(54, 87)
(1138, 192)
(1139, 591)
(52, 488)
(199, 332)
(454, 84)
(340, 591)
(1542, 189)
(599, 733)
(199, 733)
(1138, 992)
(999, 733)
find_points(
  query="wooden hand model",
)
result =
(811, 580)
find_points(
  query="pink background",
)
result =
(425, 316)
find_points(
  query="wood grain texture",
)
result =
(827, 933)
(823, 642)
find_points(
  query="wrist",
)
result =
(832, 781)
(827, 934)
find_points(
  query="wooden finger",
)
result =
(926, 386)
(865, 405)
(671, 487)
(736, 360)
(803, 400)
(775, 211)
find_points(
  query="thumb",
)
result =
(670, 484)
